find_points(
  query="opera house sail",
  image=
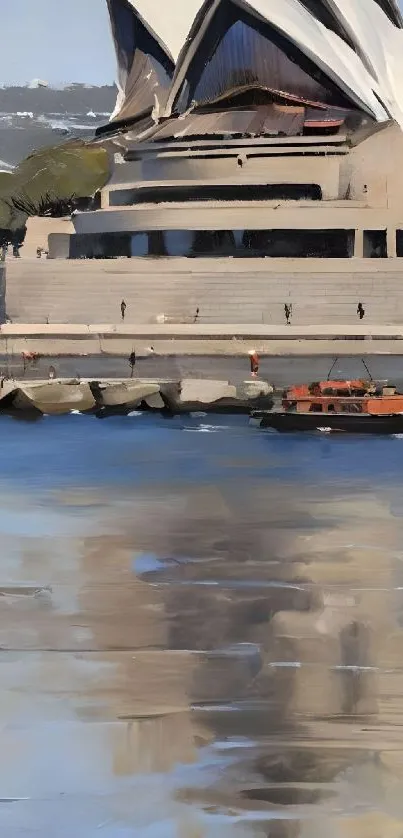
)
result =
(252, 129)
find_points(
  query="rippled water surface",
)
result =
(201, 628)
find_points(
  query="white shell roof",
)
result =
(372, 76)
(327, 49)
(170, 20)
(382, 43)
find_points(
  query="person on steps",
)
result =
(361, 311)
(123, 308)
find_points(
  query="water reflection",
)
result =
(206, 645)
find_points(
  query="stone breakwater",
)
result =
(104, 398)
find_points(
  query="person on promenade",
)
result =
(288, 313)
(254, 362)
(123, 308)
(361, 311)
(132, 362)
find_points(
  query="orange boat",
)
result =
(346, 406)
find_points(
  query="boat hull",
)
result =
(341, 423)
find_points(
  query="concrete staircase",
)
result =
(225, 290)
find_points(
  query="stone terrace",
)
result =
(225, 291)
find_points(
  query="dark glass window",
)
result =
(399, 242)
(375, 244)
(297, 244)
(294, 244)
(241, 192)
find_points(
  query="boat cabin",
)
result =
(326, 397)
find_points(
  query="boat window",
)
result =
(352, 408)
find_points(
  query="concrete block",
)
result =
(54, 397)
(124, 394)
(204, 394)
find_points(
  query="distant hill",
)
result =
(31, 118)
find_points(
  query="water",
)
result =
(201, 628)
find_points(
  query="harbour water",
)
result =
(201, 631)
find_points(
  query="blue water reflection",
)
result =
(73, 449)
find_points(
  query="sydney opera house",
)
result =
(268, 128)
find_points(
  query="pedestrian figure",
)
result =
(196, 317)
(288, 313)
(29, 358)
(123, 308)
(38, 252)
(254, 362)
(132, 362)
(52, 373)
(361, 311)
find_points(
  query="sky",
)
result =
(57, 41)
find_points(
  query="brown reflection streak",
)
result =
(268, 637)
(318, 621)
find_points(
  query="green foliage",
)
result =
(75, 168)
(5, 186)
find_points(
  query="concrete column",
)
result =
(391, 240)
(59, 245)
(2, 292)
(104, 198)
(359, 244)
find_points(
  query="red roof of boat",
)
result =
(299, 391)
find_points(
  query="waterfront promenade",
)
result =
(229, 340)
